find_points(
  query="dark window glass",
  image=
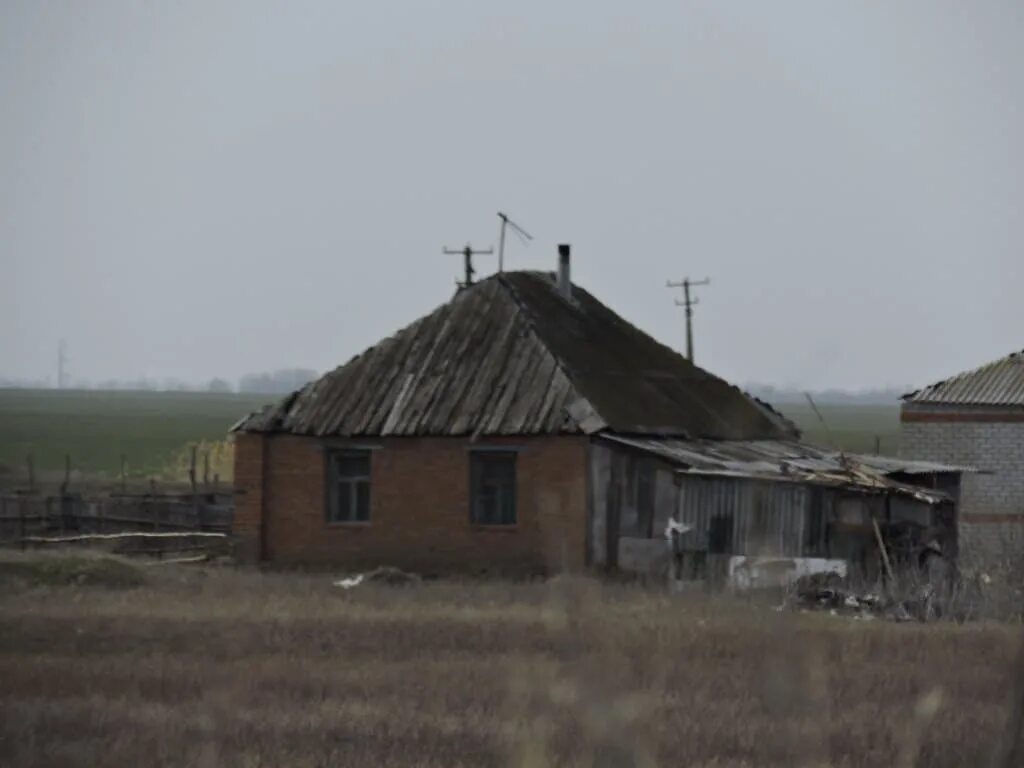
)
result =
(349, 487)
(493, 487)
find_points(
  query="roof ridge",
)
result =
(532, 325)
(510, 355)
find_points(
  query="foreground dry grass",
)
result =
(234, 668)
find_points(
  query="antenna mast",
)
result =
(468, 253)
(686, 283)
(523, 235)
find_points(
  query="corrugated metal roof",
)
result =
(788, 460)
(1000, 382)
(511, 356)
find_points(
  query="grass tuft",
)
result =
(45, 569)
(229, 667)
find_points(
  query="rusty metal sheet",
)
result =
(788, 461)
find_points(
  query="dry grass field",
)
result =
(219, 667)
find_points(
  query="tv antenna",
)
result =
(523, 235)
(468, 253)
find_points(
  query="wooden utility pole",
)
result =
(468, 253)
(62, 362)
(689, 303)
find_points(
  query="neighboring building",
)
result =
(976, 418)
(524, 427)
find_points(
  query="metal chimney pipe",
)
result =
(564, 275)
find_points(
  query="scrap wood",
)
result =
(178, 561)
(383, 575)
(882, 547)
(124, 535)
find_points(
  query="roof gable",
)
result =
(999, 383)
(512, 356)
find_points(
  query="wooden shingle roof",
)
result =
(511, 356)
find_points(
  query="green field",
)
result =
(151, 428)
(95, 428)
(851, 428)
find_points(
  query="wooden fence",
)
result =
(128, 524)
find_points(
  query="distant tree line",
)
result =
(876, 396)
(279, 382)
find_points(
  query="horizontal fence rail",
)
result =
(145, 525)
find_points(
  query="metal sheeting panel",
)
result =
(781, 459)
(748, 517)
(1000, 382)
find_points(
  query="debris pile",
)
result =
(394, 577)
(829, 592)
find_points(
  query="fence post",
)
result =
(123, 490)
(192, 481)
(31, 473)
(149, 508)
(67, 475)
(21, 524)
(192, 469)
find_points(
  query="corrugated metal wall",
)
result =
(729, 515)
(745, 516)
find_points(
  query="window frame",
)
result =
(332, 507)
(478, 458)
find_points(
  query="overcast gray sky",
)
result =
(209, 188)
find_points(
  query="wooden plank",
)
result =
(484, 372)
(466, 351)
(515, 415)
(518, 358)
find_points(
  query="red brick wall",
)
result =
(248, 493)
(419, 506)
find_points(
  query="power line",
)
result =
(689, 303)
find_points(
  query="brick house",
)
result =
(976, 418)
(525, 426)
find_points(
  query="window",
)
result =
(348, 493)
(492, 487)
